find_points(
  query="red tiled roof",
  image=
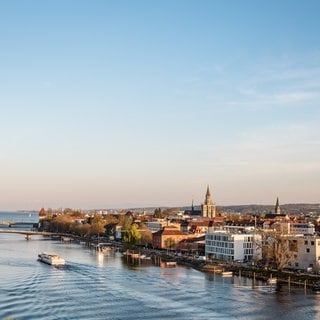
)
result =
(169, 232)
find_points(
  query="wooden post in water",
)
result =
(289, 279)
(305, 286)
(254, 280)
(239, 277)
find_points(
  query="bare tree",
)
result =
(277, 249)
(146, 234)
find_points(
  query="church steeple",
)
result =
(277, 209)
(208, 209)
(208, 196)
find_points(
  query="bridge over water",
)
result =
(16, 223)
(28, 233)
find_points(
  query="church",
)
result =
(208, 209)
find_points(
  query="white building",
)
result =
(228, 246)
(306, 252)
(302, 228)
(294, 228)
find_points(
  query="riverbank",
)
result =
(107, 286)
(238, 269)
(282, 277)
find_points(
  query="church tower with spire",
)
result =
(277, 209)
(208, 209)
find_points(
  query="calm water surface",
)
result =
(100, 286)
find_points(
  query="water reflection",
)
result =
(95, 285)
(100, 258)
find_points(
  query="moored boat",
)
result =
(271, 281)
(316, 288)
(227, 274)
(144, 257)
(51, 258)
(171, 263)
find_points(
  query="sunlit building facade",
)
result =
(227, 246)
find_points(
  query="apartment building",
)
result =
(294, 228)
(306, 252)
(229, 246)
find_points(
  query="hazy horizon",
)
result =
(123, 104)
(196, 205)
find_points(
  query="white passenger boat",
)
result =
(52, 259)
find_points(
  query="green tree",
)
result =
(126, 225)
(131, 235)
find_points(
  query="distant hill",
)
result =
(291, 208)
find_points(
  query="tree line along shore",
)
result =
(136, 236)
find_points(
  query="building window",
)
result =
(307, 250)
(312, 243)
(305, 242)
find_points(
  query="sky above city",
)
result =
(121, 104)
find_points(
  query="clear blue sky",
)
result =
(144, 103)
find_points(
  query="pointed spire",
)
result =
(277, 208)
(208, 192)
(192, 206)
(208, 196)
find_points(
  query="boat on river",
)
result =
(316, 288)
(227, 274)
(51, 258)
(272, 281)
(170, 264)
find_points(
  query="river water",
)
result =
(108, 286)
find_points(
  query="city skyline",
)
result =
(109, 104)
